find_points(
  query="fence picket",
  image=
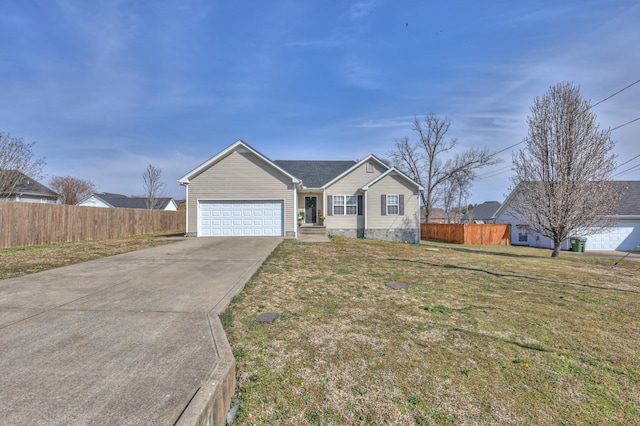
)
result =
(25, 224)
(483, 234)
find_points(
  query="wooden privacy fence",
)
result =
(498, 234)
(25, 224)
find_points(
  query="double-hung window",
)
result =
(393, 204)
(345, 205)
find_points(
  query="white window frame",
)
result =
(523, 233)
(391, 205)
(347, 203)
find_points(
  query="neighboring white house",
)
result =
(624, 236)
(110, 200)
(29, 190)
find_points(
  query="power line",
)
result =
(509, 147)
(630, 169)
(622, 125)
(626, 162)
(597, 103)
(481, 175)
(619, 91)
(494, 173)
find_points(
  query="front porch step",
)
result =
(313, 234)
(312, 230)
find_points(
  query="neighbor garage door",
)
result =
(624, 236)
(240, 218)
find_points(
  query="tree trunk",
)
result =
(556, 250)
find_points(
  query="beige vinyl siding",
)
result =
(392, 185)
(349, 185)
(240, 176)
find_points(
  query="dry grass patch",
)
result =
(19, 261)
(490, 335)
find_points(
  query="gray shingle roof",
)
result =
(27, 185)
(314, 174)
(484, 211)
(630, 202)
(122, 201)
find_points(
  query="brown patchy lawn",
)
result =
(484, 335)
(19, 261)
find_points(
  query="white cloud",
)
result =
(362, 8)
(404, 122)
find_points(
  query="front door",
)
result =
(311, 209)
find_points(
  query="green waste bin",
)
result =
(577, 244)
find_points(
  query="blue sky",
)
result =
(105, 87)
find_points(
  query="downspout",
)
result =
(186, 210)
(364, 212)
(419, 242)
(295, 212)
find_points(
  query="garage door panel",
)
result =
(624, 236)
(250, 218)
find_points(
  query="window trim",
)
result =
(396, 204)
(344, 204)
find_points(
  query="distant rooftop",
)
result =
(30, 186)
(123, 201)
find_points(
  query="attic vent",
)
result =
(370, 168)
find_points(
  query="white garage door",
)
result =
(624, 236)
(240, 218)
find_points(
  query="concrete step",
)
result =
(312, 230)
(313, 234)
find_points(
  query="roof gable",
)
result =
(354, 167)
(238, 146)
(395, 172)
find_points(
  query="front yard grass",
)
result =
(19, 261)
(484, 335)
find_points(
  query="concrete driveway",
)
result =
(129, 339)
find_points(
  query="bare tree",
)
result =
(72, 190)
(454, 193)
(562, 183)
(154, 187)
(423, 162)
(16, 160)
(463, 181)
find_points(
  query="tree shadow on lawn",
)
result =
(524, 277)
(466, 249)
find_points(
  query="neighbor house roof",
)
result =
(29, 186)
(314, 174)
(123, 201)
(629, 204)
(482, 211)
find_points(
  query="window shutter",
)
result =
(401, 204)
(329, 208)
(359, 205)
(383, 204)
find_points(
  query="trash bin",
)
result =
(578, 244)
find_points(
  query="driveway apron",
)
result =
(119, 340)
